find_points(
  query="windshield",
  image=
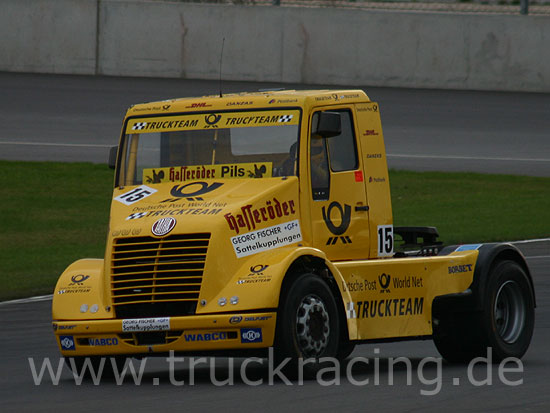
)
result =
(229, 145)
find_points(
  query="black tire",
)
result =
(509, 312)
(505, 323)
(308, 326)
(83, 366)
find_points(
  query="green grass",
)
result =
(52, 214)
(468, 207)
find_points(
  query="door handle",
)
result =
(359, 208)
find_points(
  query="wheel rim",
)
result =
(312, 326)
(509, 311)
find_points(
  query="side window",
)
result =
(318, 161)
(341, 148)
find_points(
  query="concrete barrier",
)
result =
(277, 44)
(48, 36)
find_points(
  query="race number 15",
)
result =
(385, 240)
(136, 194)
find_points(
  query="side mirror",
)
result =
(112, 156)
(329, 124)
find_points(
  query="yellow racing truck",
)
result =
(263, 220)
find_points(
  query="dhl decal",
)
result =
(213, 120)
(195, 172)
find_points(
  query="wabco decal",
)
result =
(96, 342)
(249, 217)
(396, 307)
(206, 336)
(251, 335)
(67, 342)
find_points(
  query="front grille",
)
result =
(153, 277)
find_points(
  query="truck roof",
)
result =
(267, 98)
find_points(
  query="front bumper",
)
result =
(160, 335)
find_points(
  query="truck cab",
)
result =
(256, 220)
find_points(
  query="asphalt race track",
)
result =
(433, 385)
(77, 118)
(72, 118)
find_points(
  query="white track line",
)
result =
(29, 300)
(390, 155)
(80, 145)
(470, 158)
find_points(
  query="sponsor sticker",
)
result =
(76, 285)
(266, 239)
(248, 217)
(67, 342)
(385, 240)
(135, 195)
(236, 319)
(251, 335)
(146, 324)
(391, 307)
(214, 120)
(456, 269)
(217, 336)
(163, 226)
(221, 171)
(98, 342)
(469, 247)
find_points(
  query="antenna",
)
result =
(221, 59)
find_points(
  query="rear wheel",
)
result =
(509, 313)
(505, 323)
(308, 326)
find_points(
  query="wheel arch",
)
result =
(324, 269)
(489, 256)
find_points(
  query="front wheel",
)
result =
(308, 327)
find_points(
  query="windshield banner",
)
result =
(213, 121)
(192, 173)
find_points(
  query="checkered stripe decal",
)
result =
(285, 118)
(350, 310)
(139, 126)
(136, 215)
